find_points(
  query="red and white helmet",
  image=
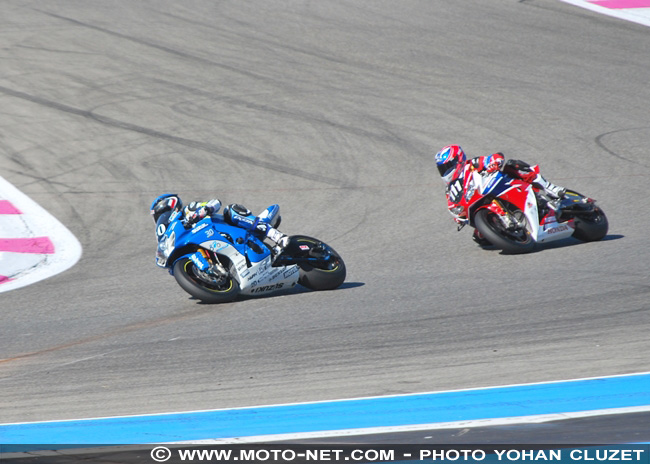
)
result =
(450, 161)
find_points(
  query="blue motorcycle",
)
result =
(215, 261)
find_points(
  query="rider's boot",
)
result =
(267, 223)
(278, 240)
(552, 190)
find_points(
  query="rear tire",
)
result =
(186, 274)
(327, 276)
(591, 226)
(489, 224)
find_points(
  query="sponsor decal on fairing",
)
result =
(268, 288)
(217, 245)
(555, 230)
(289, 272)
(201, 227)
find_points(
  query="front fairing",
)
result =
(176, 239)
(167, 233)
(483, 188)
(496, 183)
(165, 248)
(248, 259)
(478, 186)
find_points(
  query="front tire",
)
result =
(591, 226)
(512, 242)
(189, 278)
(320, 275)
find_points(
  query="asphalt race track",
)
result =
(332, 109)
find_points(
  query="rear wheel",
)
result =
(591, 226)
(325, 271)
(510, 240)
(203, 286)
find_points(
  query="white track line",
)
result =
(35, 221)
(635, 15)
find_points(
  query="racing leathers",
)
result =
(264, 225)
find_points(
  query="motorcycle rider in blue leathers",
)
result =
(264, 225)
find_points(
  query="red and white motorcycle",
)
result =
(513, 215)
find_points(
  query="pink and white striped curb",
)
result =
(33, 244)
(637, 11)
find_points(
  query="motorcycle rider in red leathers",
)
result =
(453, 165)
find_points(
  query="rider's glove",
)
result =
(199, 214)
(496, 161)
(492, 167)
(195, 211)
(213, 205)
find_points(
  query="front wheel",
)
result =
(513, 241)
(321, 267)
(200, 285)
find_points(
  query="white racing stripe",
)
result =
(637, 11)
(34, 245)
